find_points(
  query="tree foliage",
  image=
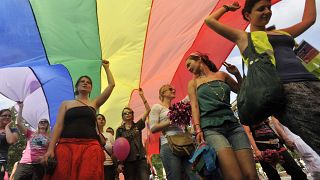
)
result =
(157, 163)
(15, 152)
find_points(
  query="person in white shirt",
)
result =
(307, 154)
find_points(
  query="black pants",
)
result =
(109, 172)
(289, 165)
(29, 172)
(136, 170)
(2, 169)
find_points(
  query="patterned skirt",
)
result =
(302, 111)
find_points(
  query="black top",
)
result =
(289, 67)
(80, 122)
(134, 137)
(4, 146)
(262, 132)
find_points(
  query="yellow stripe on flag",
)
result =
(122, 27)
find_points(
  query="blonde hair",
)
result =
(162, 90)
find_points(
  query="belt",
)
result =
(270, 141)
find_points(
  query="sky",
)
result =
(284, 14)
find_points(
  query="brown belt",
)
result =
(270, 141)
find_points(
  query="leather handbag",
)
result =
(181, 144)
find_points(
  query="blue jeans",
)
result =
(230, 134)
(176, 167)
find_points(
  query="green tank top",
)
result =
(214, 103)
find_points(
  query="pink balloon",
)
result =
(121, 148)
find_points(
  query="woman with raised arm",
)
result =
(30, 166)
(214, 121)
(75, 139)
(135, 167)
(300, 86)
(8, 136)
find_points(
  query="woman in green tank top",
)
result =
(214, 121)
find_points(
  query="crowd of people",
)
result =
(83, 147)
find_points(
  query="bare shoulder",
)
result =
(192, 83)
(68, 104)
(221, 75)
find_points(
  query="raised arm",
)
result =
(98, 101)
(232, 69)
(146, 105)
(20, 123)
(308, 19)
(235, 35)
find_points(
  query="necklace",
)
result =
(215, 92)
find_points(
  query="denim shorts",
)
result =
(230, 134)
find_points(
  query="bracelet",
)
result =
(198, 131)
(226, 8)
(195, 125)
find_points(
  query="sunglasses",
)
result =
(43, 122)
(6, 115)
(127, 113)
(170, 89)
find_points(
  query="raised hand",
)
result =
(105, 63)
(20, 104)
(232, 69)
(141, 92)
(234, 6)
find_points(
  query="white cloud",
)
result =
(5, 102)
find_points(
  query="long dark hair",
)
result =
(205, 59)
(76, 92)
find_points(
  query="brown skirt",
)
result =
(79, 159)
